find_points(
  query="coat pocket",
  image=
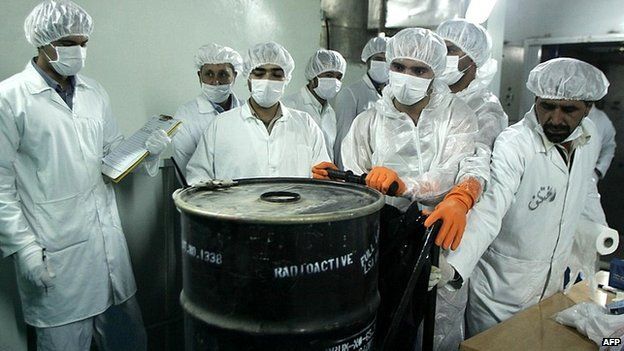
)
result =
(65, 222)
(512, 281)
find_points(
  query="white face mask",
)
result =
(69, 59)
(452, 74)
(217, 93)
(266, 92)
(327, 88)
(408, 89)
(378, 71)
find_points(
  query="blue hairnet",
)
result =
(52, 20)
(471, 38)
(215, 54)
(567, 79)
(269, 53)
(418, 44)
(374, 46)
(325, 61)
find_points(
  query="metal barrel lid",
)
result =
(281, 201)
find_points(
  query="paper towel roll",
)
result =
(590, 240)
(607, 241)
(597, 237)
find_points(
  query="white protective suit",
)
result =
(490, 114)
(426, 156)
(324, 116)
(195, 115)
(492, 120)
(350, 102)
(519, 235)
(52, 192)
(475, 42)
(606, 132)
(238, 145)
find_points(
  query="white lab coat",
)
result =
(52, 192)
(426, 155)
(238, 145)
(450, 310)
(606, 131)
(519, 235)
(195, 115)
(491, 117)
(350, 102)
(324, 116)
(490, 114)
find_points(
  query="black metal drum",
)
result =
(280, 264)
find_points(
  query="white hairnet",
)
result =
(471, 38)
(418, 44)
(215, 54)
(374, 46)
(325, 61)
(269, 53)
(567, 79)
(52, 20)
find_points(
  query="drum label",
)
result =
(363, 341)
(212, 257)
(369, 259)
(317, 267)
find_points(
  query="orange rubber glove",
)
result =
(380, 178)
(320, 170)
(452, 211)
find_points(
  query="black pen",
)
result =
(609, 289)
(43, 257)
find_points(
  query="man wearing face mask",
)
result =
(324, 73)
(262, 138)
(359, 96)
(469, 71)
(416, 135)
(217, 68)
(58, 217)
(519, 236)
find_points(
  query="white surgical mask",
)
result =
(217, 93)
(327, 88)
(408, 89)
(266, 92)
(452, 74)
(69, 59)
(378, 71)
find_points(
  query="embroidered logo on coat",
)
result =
(545, 193)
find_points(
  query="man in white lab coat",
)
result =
(519, 236)
(217, 68)
(469, 72)
(324, 73)
(58, 216)
(606, 132)
(262, 138)
(416, 135)
(361, 95)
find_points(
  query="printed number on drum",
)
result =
(210, 257)
(201, 254)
